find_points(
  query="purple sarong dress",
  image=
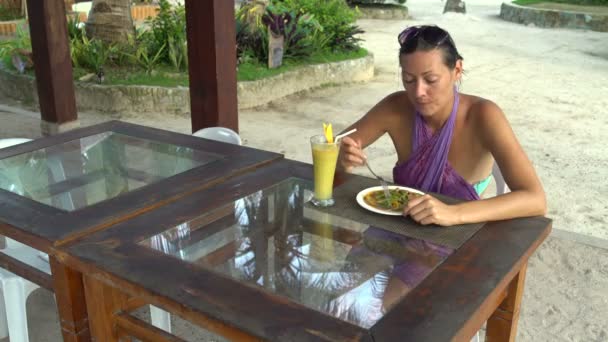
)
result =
(428, 168)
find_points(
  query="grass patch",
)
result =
(569, 2)
(165, 76)
(256, 71)
(160, 77)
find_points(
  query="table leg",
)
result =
(502, 325)
(103, 302)
(71, 305)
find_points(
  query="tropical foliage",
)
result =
(375, 2)
(309, 27)
(313, 30)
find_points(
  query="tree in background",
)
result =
(110, 21)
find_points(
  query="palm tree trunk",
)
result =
(110, 20)
(24, 8)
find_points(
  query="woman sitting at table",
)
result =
(446, 141)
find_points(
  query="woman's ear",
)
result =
(458, 70)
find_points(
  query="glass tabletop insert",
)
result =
(275, 240)
(92, 169)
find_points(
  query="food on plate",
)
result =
(396, 202)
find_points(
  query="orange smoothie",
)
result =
(324, 159)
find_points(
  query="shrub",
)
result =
(335, 17)
(373, 2)
(91, 54)
(20, 42)
(75, 28)
(168, 35)
(297, 28)
(251, 33)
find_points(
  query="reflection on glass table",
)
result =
(92, 169)
(335, 265)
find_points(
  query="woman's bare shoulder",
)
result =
(482, 111)
(487, 120)
(395, 105)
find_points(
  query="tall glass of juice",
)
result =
(324, 159)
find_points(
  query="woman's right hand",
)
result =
(351, 154)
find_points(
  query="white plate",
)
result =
(364, 192)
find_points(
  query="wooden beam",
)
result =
(212, 63)
(70, 297)
(52, 62)
(502, 325)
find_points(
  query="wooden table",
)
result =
(56, 190)
(250, 260)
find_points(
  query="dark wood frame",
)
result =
(52, 62)
(211, 34)
(481, 280)
(28, 221)
(212, 62)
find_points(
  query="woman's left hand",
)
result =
(429, 210)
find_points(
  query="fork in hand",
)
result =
(387, 194)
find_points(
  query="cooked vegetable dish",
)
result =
(398, 199)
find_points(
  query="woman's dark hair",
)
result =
(427, 38)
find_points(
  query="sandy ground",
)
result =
(552, 85)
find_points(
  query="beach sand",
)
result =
(552, 85)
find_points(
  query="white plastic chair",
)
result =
(160, 317)
(12, 141)
(501, 185)
(15, 289)
(222, 134)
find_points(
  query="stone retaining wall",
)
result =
(147, 99)
(384, 12)
(553, 18)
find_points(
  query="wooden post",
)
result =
(52, 62)
(69, 294)
(502, 325)
(103, 302)
(211, 33)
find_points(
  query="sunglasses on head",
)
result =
(432, 35)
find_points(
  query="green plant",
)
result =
(91, 54)
(251, 42)
(127, 49)
(250, 13)
(346, 37)
(178, 54)
(374, 2)
(296, 28)
(169, 23)
(145, 59)
(75, 28)
(16, 53)
(21, 41)
(335, 17)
